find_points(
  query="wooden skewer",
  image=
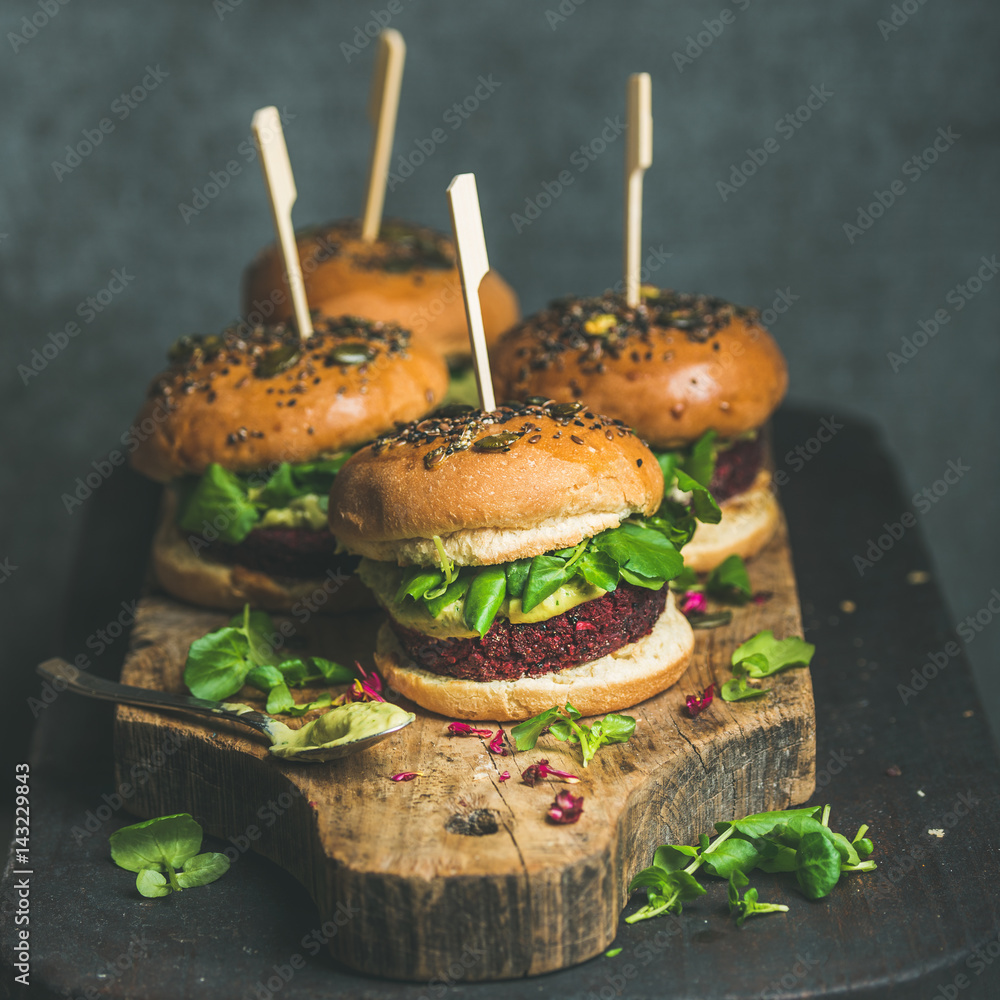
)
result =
(638, 158)
(270, 141)
(470, 244)
(382, 107)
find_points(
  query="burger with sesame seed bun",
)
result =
(697, 377)
(519, 559)
(408, 275)
(248, 429)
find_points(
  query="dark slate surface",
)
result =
(928, 917)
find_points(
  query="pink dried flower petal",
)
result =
(696, 703)
(496, 744)
(535, 772)
(504, 776)
(464, 729)
(763, 597)
(567, 808)
(692, 602)
(407, 775)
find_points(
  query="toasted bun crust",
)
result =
(420, 290)
(184, 574)
(749, 521)
(616, 681)
(722, 371)
(211, 405)
(556, 484)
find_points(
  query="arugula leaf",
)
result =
(453, 592)
(748, 905)
(279, 699)
(675, 888)
(317, 477)
(278, 490)
(617, 728)
(546, 575)
(670, 857)
(700, 462)
(818, 865)
(217, 664)
(152, 883)
(641, 550)
(599, 569)
(325, 700)
(703, 503)
(202, 869)
(779, 653)
(732, 855)
(218, 492)
(333, 673)
(729, 581)
(738, 689)
(418, 581)
(156, 843)
(526, 733)
(762, 823)
(157, 848)
(517, 577)
(485, 596)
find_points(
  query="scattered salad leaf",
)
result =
(762, 656)
(612, 952)
(242, 652)
(729, 581)
(563, 725)
(158, 849)
(797, 841)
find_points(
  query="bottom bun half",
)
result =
(749, 522)
(616, 681)
(184, 574)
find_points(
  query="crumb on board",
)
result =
(848, 607)
(920, 793)
(917, 576)
(937, 832)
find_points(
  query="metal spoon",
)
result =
(64, 676)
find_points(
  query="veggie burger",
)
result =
(519, 559)
(697, 377)
(249, 429)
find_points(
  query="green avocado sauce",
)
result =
(341, 725)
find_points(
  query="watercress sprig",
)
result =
(220, 663)
(164, 854)
(798, 841)
(563, 725)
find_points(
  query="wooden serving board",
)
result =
(456, 869)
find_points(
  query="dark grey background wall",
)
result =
(884, 92)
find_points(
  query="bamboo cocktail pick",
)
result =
(382, 107)
(470, 244)
(270, 141)
(638, 158)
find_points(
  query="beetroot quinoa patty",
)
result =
(736, 468)
(508, 651)
(292, 552)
